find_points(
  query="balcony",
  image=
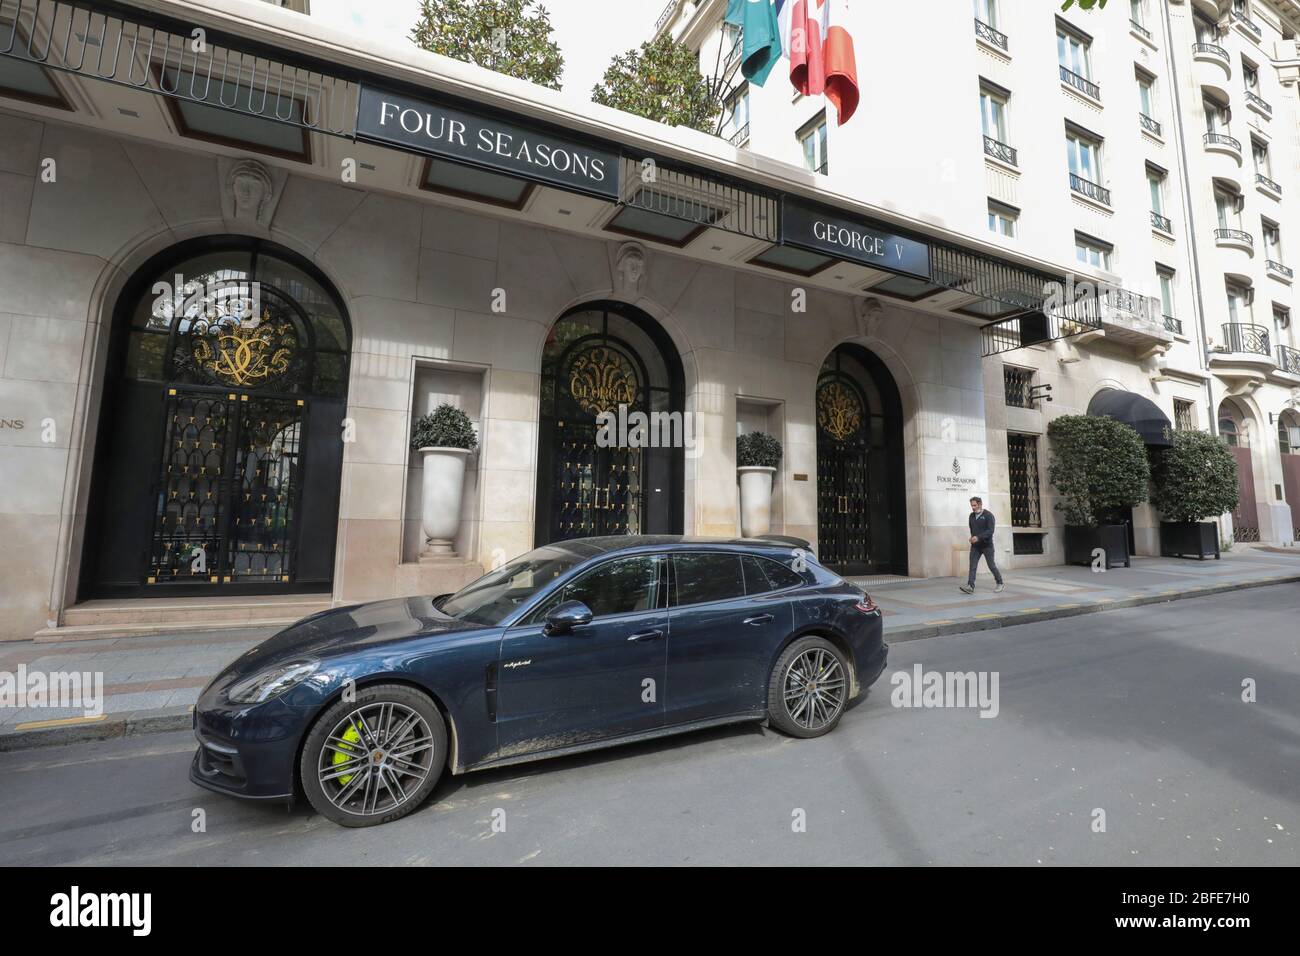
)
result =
(1235, 239)
(1278, 271)
(1173, 325)
(1223, 143)
(1161, 223)
(1148, 124)
(1081, 83)
(1267, 186)
(989, 35)
(1288, 360)
(999, 151)
(1246, 339)
(740, 137)
(1133, 319)
(1247, 26)
(1243, 352)
(1139, 29)
(1098, 194)
(1259, 104)
(1216, 58)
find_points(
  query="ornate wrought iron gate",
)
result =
(843, 482)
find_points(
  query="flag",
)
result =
(760, 36)
(820, 47)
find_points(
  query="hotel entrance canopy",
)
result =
(231, 89)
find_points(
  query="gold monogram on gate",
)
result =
(839, 413)
(601, 379)
(244, 354)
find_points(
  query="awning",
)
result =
(1141, 414)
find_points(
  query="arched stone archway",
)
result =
(1238, 429)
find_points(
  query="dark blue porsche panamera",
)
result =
(576, 645)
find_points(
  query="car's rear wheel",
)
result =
(809, 688)
(376, 758)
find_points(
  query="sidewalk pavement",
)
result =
(150, 683)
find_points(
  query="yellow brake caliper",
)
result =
(352, 736)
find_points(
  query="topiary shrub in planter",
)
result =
(1097, 465)
(1195, 478)
(445, 437)
(757, 455)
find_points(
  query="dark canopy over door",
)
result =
(1140, 414)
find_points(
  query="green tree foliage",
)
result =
(509, 36)
(445, 427)
(1195, 478)
(662, 82)
(1097, 464)
(757, 448)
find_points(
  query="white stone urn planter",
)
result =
(444, 487)
(755, 499)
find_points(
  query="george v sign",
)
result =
(818, 229)
(447, 132)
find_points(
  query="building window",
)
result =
(1272, 240)
(986, 11)
(812, 140)
(1239, 305)
(1016, 386)
(1146, 93)
(1022, 461)
(1073, 53)
(1156, 179)
(1227, 206)
(1206, 29)
(1259, 151)
(1091, 251)
(1083, 153)
(1184, 415)
(1281, 317)
(735, 125)
(1228, 431)
(1167, 307)
(993, 112)
(1217, 117)
(1250, 75)
(1137, 13)
(1003, 219)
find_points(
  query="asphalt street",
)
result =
(1137, 713)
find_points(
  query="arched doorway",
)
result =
(1236, 429)
(1288, 444)
(861, 505)
(219, 450)
(598, 358)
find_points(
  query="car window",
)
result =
(707, 577)
(780, 575)
(616, 587)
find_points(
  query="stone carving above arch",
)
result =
(868, 311)
(629, 269)
(250, 191)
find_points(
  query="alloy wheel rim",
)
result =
(375, 759)
(814, 688)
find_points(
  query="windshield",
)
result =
(489, 599)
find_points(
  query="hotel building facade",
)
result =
(884, 297)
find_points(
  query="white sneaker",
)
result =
(1000, 588)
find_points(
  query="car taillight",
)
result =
(866, 605)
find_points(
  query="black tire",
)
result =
(323, 757)
(785, 715)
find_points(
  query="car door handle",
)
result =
(759, 619)
(646, 636)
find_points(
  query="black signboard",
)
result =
(531, 153)
(819, 229)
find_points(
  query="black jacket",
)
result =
(981, 527)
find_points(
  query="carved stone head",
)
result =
(250, 186)
(630, 268)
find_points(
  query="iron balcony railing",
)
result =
(668, 12)
(1161, 222)
(1149, 124)
(1234, 235)
(1173, 325)
(1259, 101)
(1222, 139)
(1244, 337)
(1268, 183)
(1274, 266)
(733, 54)
(1134, 303)
(999, 150)
(1250, 25)
(740, 136)
(987, 33)
(1090, 189)
(1080, 83)
(1288, 359)
(1210, 49)
(1140, 28)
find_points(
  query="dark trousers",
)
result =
(987, 551)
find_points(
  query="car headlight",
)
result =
(272, 682)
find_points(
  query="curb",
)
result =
(129, 724)
(135, 723)
(919, 632)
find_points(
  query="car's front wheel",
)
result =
(376, 758)
(809, 688)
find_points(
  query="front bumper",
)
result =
(247, 750)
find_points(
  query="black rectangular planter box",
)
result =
(1189, 539)
(1081, 541)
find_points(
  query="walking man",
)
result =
(981, 543)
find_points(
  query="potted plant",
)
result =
(1098, 466)
(445, 437)
(1195, 478)
(757, 455)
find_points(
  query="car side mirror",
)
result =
(564, 617)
